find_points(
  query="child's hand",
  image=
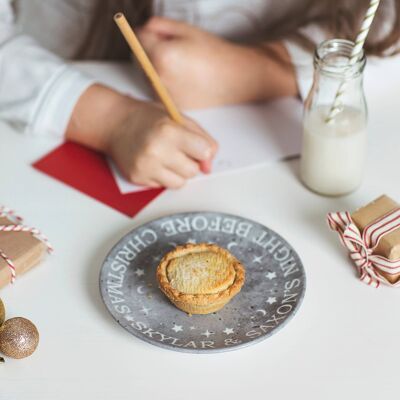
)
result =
(198, 68)
(152, 150)
(147, 146)
(204, 70)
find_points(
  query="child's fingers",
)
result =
(192, 125)
(182, 165)
(168, 27)
(169, 179)
(141, 180)
(205, 166)
(195, 146)
(200, 146)
(152, 184)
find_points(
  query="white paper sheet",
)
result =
(248, 135)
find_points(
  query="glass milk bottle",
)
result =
(334, 152)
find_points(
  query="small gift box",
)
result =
(372, 236)
(21, 247)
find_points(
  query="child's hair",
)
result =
(343, 19)
(103, 39)
(340, 18)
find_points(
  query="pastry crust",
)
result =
(200, 278)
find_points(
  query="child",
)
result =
(202, 66)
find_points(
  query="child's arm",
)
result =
(203, 70)
(38, 90)
(42, 95)
(147, 146)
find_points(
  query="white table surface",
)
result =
(343, 342)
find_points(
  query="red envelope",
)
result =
(88, 172)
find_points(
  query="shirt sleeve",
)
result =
(38, 90)
(302, 59)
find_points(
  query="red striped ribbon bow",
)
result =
(361, 246)
(18, 227)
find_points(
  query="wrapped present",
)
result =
(389, 245)
(21, 247)
(372, 236)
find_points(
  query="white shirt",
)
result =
(38, 88)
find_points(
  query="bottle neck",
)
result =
(333, 71)
(333, 59)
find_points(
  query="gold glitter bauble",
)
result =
(18, 338)
(2, 312)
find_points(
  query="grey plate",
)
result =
(272, 293)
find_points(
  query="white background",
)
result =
(343, 342)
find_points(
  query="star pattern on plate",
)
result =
(145, 310)
(257, 259)
(177, 328)
(228, 331)
(271, 300)
(139, 272)
(207, 333)
(129, 318)
(270, 275)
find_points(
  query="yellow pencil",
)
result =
(151, 73)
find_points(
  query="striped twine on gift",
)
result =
(361, 246)
(18, 227)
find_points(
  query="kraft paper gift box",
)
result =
(24, 250)
(389, 245)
